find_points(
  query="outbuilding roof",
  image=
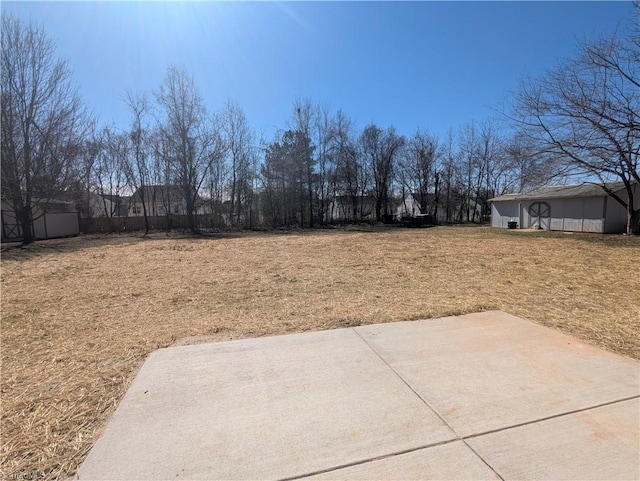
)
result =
(586, 189)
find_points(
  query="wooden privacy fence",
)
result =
(101, 225)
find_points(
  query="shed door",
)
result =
(540, 213)
(11, 228)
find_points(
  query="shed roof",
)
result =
(60, 207)
(586, 189)
(54, 206)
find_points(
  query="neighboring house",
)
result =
(161, 200)
(574, 208)
(51, 219)
(340, 208)
(105, 205)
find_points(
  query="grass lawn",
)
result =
(80, 315)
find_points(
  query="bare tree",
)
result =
(493, 167)
(108, 175)
(470, 169)
(42, 122)
(325, 165)
(380, 150)
(162, 176)
(348, 177)
(222, 178)
(418, 170)
(137, 163)
(79, 188)
(449, 176)
(483, 167)
(528, 167)
(240, 144)
(192, 138)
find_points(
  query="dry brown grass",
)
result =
(80, 315)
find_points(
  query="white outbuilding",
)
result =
(50, 220)
(583, 207)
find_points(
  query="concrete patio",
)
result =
(479, 396)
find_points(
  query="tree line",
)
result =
(578, 119)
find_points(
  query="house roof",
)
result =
(347, 198)
(157, 192)
(585, 189)
(116, 198)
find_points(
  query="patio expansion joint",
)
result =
(554, 416)
(431, 408)
(424, 401)
(368, 460)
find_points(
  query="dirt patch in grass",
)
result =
(80, 315)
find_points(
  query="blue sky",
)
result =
(433, 65)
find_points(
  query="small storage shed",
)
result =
(53, 219)
(574, 208)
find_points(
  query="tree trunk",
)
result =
(191, 224)
(448, 201)
(310, 206)
(233, 191)
(354, 205)
(146, 218)
(25, 218)
(633, 220)
(475, 209)
(378, 208)
(385, 204)
(436, 199)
